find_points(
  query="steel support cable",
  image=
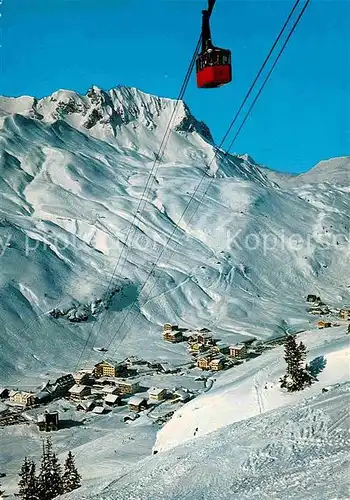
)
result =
(147, 186)
(251, 88)
(198, 186)
(268, 75)
(296, 22)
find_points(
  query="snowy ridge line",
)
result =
(148, 186)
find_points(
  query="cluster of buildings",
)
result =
(319, 308)
(50, 391)
(106, 385)
(103, 389)
(209, 353)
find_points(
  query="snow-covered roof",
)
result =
(87, 405)
(206, 335)
(98, 409)
(221, 344)
(77, 389)
(12, 393)
(106, 362)
(125, 382)
(42, 394)
(109, 389)
(112, 380)
(237, 346)
(130, 416)
(80, 374)
(155, 391)
(111, 398)
(183, 395)
(136, 400)
(167, 366)
(216, 361)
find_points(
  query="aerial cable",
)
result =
(152, 172)
(296, 22)
(251, 88)
(216, 152)
(268, 75)
(257, 76)
(147, 186)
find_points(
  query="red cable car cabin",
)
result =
(213, 65)
(213, 68)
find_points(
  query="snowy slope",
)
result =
(73, 169)
(295, 454)
(253, 388)
(241, 441)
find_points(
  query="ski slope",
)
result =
(253, 388)
(242, 441)
(73, 173)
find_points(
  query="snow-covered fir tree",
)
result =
(28, 486)
(33, 483)
(50, 475)
(71, 476)
(297, 376)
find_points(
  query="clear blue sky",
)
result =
(301, 118)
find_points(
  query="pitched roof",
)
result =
(98, 409)
(77, 389)
(167, 366)
(183, 395)
(87, 405)
(136, 400)
(205, 336)
(125, 382)
(109, 389)
(111, 398)
(106, 362)
(222, 344)
(155, 391)
(216, 361)
(237, 346)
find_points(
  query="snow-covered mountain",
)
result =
(73, 171)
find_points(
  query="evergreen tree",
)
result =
(25, 480)
(1, 491)
(56, 477)
(71, 476)
(297, 376)
(44, 473)
(32, 483)
(50, 475)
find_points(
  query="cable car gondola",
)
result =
(213, 64)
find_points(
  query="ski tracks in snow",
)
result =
(259, 385)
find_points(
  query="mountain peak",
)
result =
(104, 112)
(334, 171)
